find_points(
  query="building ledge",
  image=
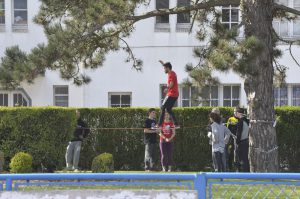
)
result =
(20, 27)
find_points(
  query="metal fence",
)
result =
(207, 185)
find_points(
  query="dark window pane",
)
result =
(61, 98)
(227, 92)
(235, 103)
(183, 17)
(2, 17)
(296, 96)
(227, 103)
(186, 92)
(20, 17)
(225, 15)
(214, 103)
(61, 103)
(1, 99)
(185, 103)
(160, 4)
(115, 100)
(214, 92)
(2, 5)
(235, 92)
(5, 99)
(20, 4)
(234, 15)
(125, 100)
(61, 90)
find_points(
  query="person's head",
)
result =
(151, 113)
(168, 117)
(214, 117)
(240, 112)
(216, 110)
(77, 114)
(167, 67)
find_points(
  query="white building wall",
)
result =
(118, 76)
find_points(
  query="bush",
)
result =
(45, 133)
(103, 163)
(21, 163)
(1, 161)
(42, 132)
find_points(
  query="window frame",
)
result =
(231, 99)
(120, 94)
(210, 99)
(295, 98)
(61, 95)
(19, 27)
(278, 97)
(230, 22)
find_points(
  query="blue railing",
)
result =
(203, 183)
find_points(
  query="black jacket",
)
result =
(81, 131)
(241, 128)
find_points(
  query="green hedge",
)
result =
(42, 132)
(45, 132)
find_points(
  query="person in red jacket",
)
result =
(171, 94)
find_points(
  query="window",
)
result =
(189, 96)
(119, 99)
(3, 99)
(210, 96)
(163, 95)
(61, 96)
(297, 4)
(281, 27)
(20, 18)
(230, 16)
(2, 12)
(281, 96)
(183, 17)
(19, 100)
(231, 96)
(296, 96)
(162, 4)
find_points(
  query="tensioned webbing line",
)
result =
(139, 128)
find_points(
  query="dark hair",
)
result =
(215, 117)
(150, 110)
(168, 65)
(240, 110)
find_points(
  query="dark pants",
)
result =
(150, 156)
(167, 104)
(242, 150)
(230, 155)
(218, 161)
(166, 151)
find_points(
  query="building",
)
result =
(116, 84)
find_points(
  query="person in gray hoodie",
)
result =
(219, 137)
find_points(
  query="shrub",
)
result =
(21, 163)
(1, 161)
(103, 163)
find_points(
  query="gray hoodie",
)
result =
(219, 137)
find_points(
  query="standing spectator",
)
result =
(73, 149)
(167, 143)
(230, 148)
(243, 140)
(150, 137)
(171, 94)
(219, 136)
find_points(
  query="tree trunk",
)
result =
(263, 153)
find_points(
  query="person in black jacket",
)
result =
(73, 149)
(242, 140)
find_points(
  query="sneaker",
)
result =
(170, 169)
(164, 169)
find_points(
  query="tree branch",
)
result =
(286, 9)
(177, 10)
